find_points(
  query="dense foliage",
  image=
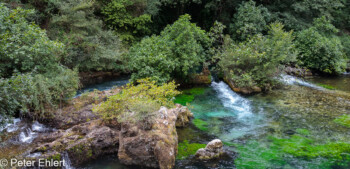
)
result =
(31, 78)
(179, 49)
(138, 103)
(127, 18)
(319, 49)
(256, 61)
(89, 47)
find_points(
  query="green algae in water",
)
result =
(343, 120)
(257, 155)
(326, 86)
(188, 95)
(304, 132)
(200, 124)
(186, 149)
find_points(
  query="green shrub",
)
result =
(319, 49)
(137, 103)
(249, 20)
(178, 50)
(24, 47)
(125, 18)
(256, 61)
(31, 79)
(89, 47)
(37, 95)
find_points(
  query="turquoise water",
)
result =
(292, 127)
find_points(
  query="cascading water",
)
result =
(291, 80)
(67, 162)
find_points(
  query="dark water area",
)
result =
(341, 82)
(120, 81)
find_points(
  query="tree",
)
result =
(249, 20)
(31, 78)
(128, 19)
(24, 47)
(178, 50)
(256, 62)
(320, 49)
(89, 47)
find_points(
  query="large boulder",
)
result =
(153, 145)
(213, 150)
(82, 142)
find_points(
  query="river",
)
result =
(292, 127)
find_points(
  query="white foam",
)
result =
(232, 100)
(291, 80)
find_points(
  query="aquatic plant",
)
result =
(188, 95)
(200, 124)
(327, 86)
(257, 155)
(343, 120)
(186, 149)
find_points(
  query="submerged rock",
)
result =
(213, 150)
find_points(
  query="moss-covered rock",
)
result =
(185, 149)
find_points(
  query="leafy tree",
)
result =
(138, 103)
(320, 49)
(256, 61)
(179, 49)
(24, 47)
(31, 79)
(127, 17)
(249, 20)
(89, 47)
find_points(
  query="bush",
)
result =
(24, 47)
(249, 20)
(137, 103)
(89, 47)
(125, 18)
(180, 49)
(320, 50)
(256, 61)
(31, 79)
(37, 94)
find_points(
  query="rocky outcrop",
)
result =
(213, 150)
(243, 90)
(153, 145)
(203, 78)
(184, 116)
(82, 142)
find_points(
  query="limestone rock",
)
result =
(213, 150)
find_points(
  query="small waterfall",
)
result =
(11, 127)
(291, 80)
(67, 162)
(27, 136)
(232, 100)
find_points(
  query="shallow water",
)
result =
(341, 82)
(273, 130)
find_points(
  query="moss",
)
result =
(200, 124)
(343, 120)
(186, 149)
(229, 144)
(188, 95)
(56, 157)
(326, 86)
